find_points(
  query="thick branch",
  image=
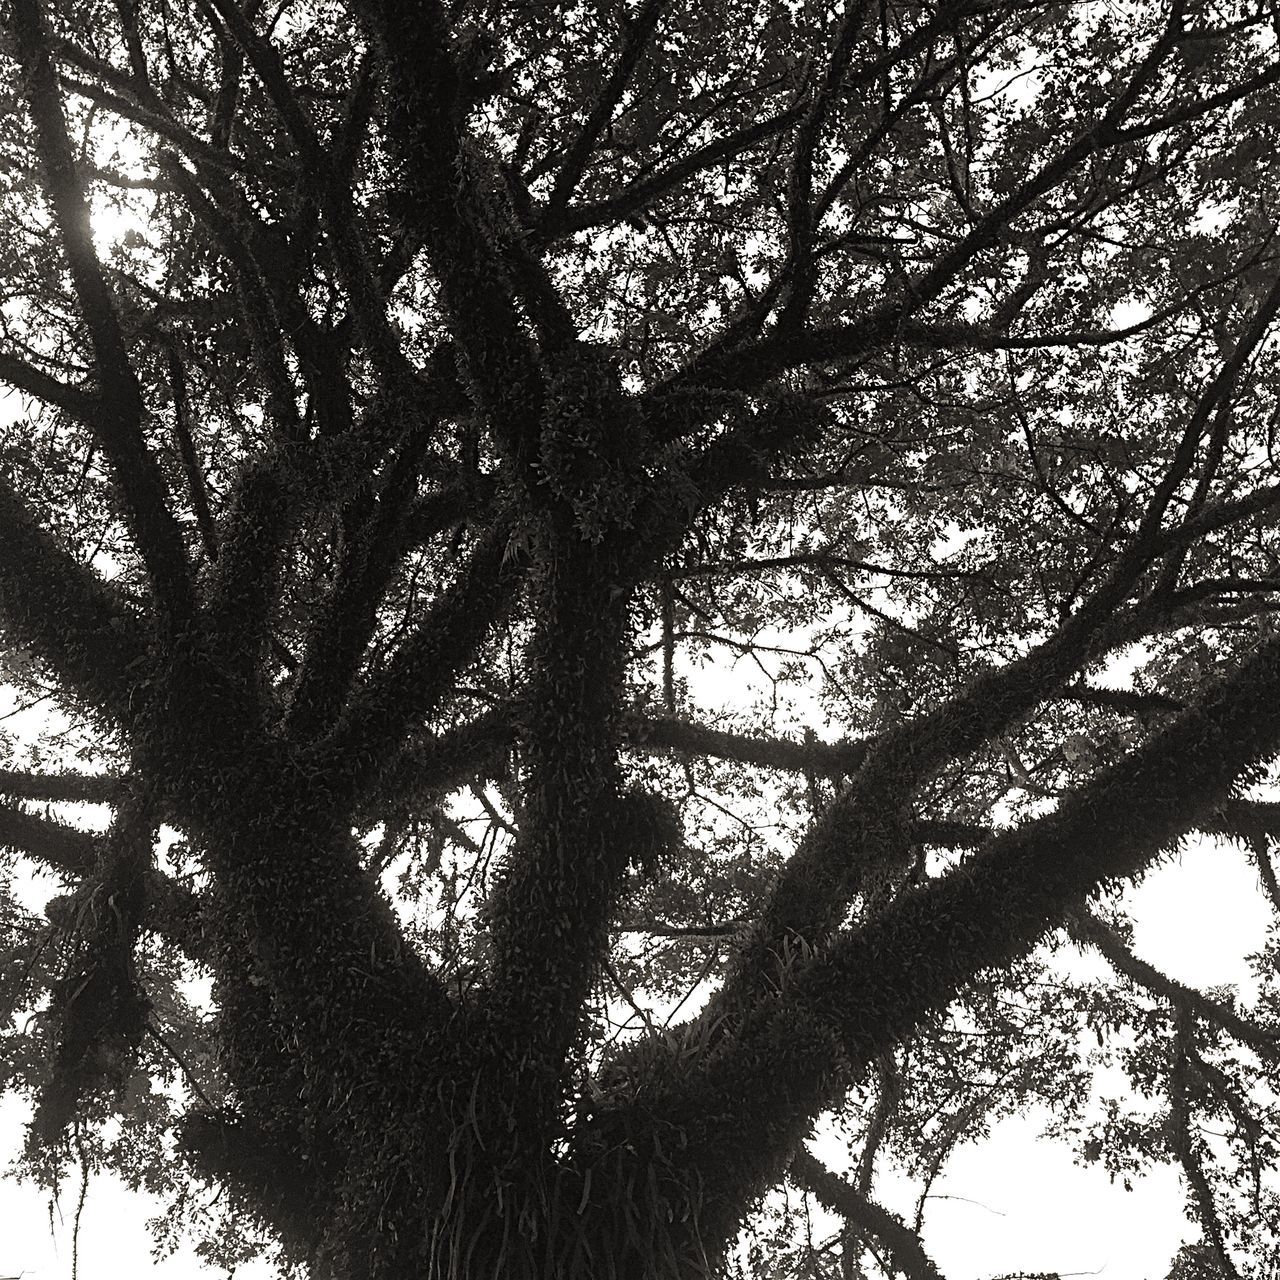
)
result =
(443, 196)
(53, 843)
(246, 1156)
(41, 386)
(433, 765)
(551, 909)
(86, 788)
(297, 916)
(263, 510)
(174, 912)
(861, 836)
(835, 759)
(55, 606)
(1127, 701)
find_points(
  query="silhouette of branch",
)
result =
(840, 1196)
(1088, 928)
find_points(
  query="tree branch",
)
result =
(639, 195)
(98, 1007)
(68, 617)
(800, 269)
(365, 739)
(550, 911)
(637, 34)
(118, 93)
(86, 788)
(1086, 927)
(41, 386)
(366, 297)
(197, 490)
(756, 363)
(53, 843)
(433, 765)
(438, 174)
(1186, 1149)
(1126, 701)
(837, 759)
(258, 307)
(839, 1196)
(378, 530)
(173, 911)
(117, 421)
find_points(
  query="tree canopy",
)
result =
(615, 585)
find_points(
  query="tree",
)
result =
(407, 399)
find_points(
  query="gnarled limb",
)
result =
(444, 196)
(550, 911)
(172, 910)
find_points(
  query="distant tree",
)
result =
(410, 400)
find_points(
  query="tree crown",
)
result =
(415, 405)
